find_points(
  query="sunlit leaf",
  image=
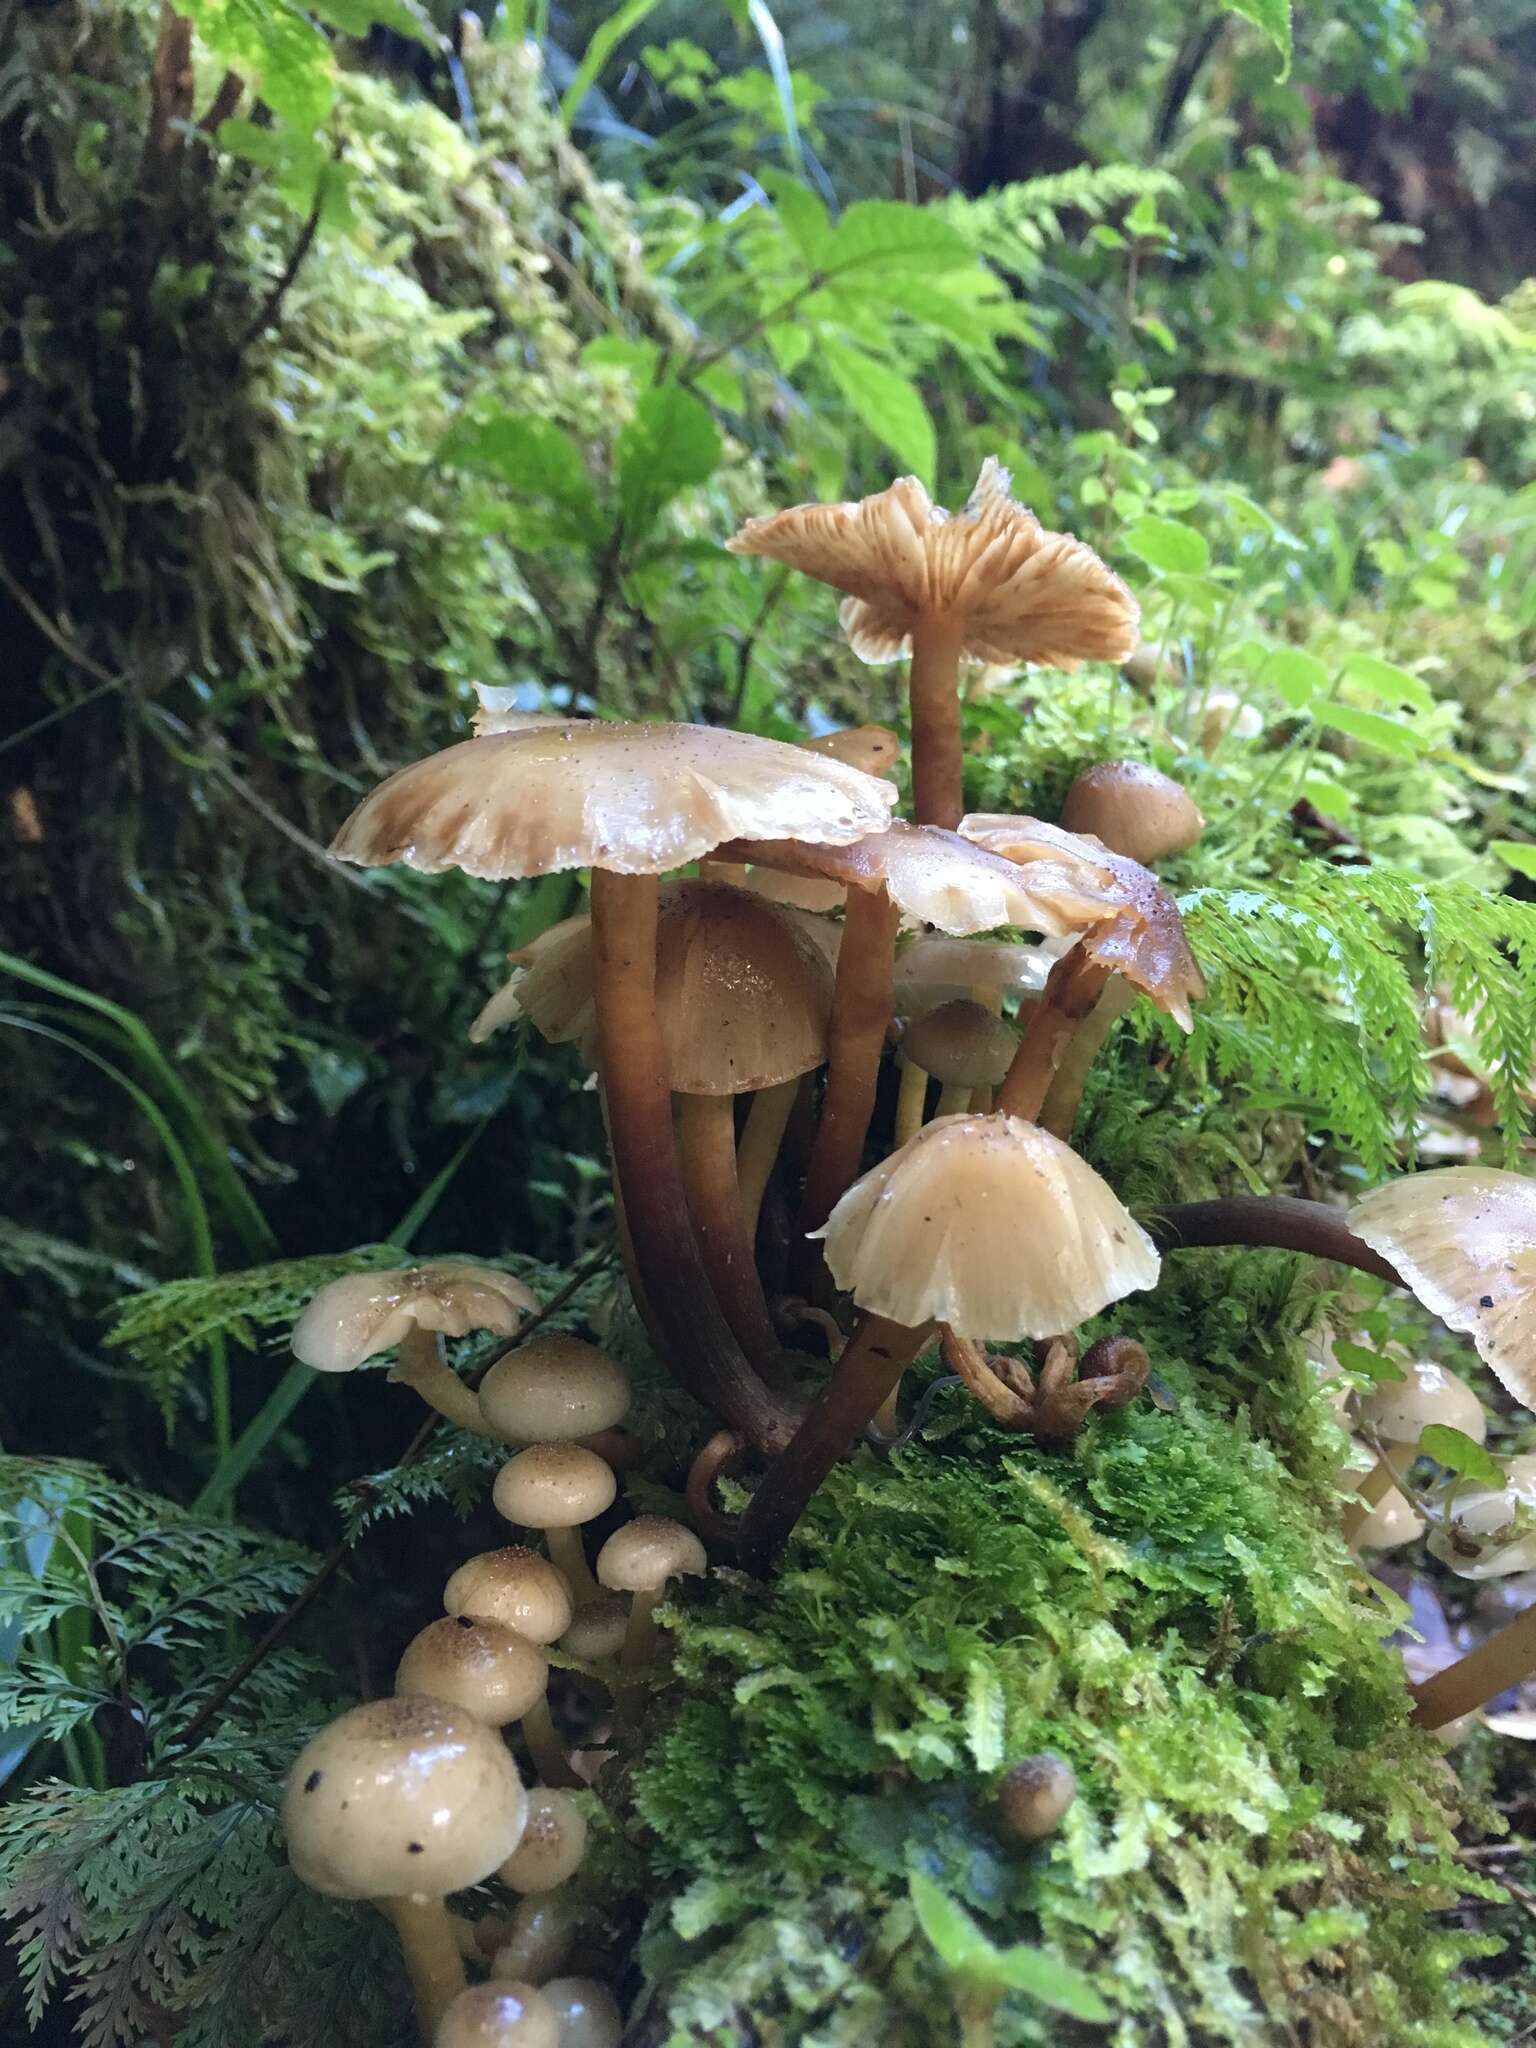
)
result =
(1168, 545)
(1459, 1453)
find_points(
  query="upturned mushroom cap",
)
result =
(356, 1317)
(554, 1842)
(935, 968)
(991, 1225)
(1398, 1411)
(874, 748)
(558, 965)
(1464, 1239)
(399, 1798)
(516, 1587)
(482, 1666)
(962, 1044)
(588, 2012)
(554, 1486)
(553, 1388)
(1143, 939)
(1481, 1536)
(598, 1630)
(1134, 810)
(633, 799)
(1033, 1797)
(502, 2014)
(645, 1553)
(1023, 594)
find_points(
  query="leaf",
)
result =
(622, 22)
(1168, 545)
(278, 48)
(1328, 796)
(1298, 676)
(958, 1942)
(1519, 854)
(1053, 1982)
(801, 215)
(670, 445)
(966, 1952)
(885, 237)
(1390, 734)
(771, 37)
(1274, 18)
(890, 405)
(1384, 679)
(1374, 1365)
(986, 1715)
(1461, 1454)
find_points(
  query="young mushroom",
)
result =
(513, 1586)
(874, 748)
(500, 2015)
(553, 1843)
(641, 1559)
(1133, 810)
(988, 583)
(1488, 1532)
(354, 1318)
(1396, 1413)
(1033, 1796)
(556, 1488)
(597, 1633)
(587, 2011)
(491, 1672)
(553, 1389)
(965, 1047)
(402, 1801)
(537, 1940)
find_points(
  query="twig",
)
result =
(271, 305)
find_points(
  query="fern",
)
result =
(1015, 225)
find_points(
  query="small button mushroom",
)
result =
(1398, 1411)
(481, 1666)
(538, 1939)
(516, 1587)
(639, 1559)
(556, 1488)
(1134, 810)
(599, 1629)
(1392, 1524)
(1223, 712)
(554, 1842)
(588, 2013)
(874, 748)
(965, 1046)
(553, 1389)
(1034, 1795)
(500, 2015)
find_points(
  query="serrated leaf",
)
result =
(1460, 1453)
(277, 48)
(883, 237)
(1519, 854)
(670, 445)
(1168, 545)
(1376, 730)
(1274, 18)
(986, 1715)
(1384, 679)
(1298, 676)
(890, 405)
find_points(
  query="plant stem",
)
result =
(1070, 993)
(862, 1001)
(1058, 1113)
(420, 1364)
(699, 1343)
(432, 1958)
(1282, 1221)
(767, 1121)
(707, 1142)
(876, 1356)
(1480, 1676)
(933, 685)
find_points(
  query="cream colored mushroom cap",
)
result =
(554, 1486)
(501, 2014)
(1134, 810)
(874, 748)
(588, 2011)
(1023, 594)
(482, 1666)
(598, 1630)
(962, 1044)
(991, 1225)
(1477, 1537)
(1398, 1411)
(812, 893)
(645, 1553)
(362, 1314)
(1392, 1523)
(515, 1586)
(1464, 1239)
(553, 1844)
(553, 1388)
(408, 1797)
(632, 799)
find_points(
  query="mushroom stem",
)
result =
(1283, 1221)
(1058, 1113)
(954, 1100)
(767, 1121)
(911, 1103)
(1070, 993)
(640, 1637)
(547, 1750)
(862, 1001)
(933, 688)
(1370, 1493)
(568, 1555)
(1481, 1675)
(698, 1340)
(723, 1457)
(431, 1951)
(872, 1363)
(420, 1364)
(707, 1144)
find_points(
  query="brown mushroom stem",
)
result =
(420, 1364)
(697, 1339)
(431, 1951)
(1504, 1660)
(723, 1457)
(872, 1363)
(954, 1099)
(1058, 1113)
(1284, 1222)
(1368, 1495)
(911, 1104)
(568, 1555)
(862, 1000)
(547, 1750)
(963, 1355)
(761, 1137)
(1073, 988)
(707, 1146)
(933, 687)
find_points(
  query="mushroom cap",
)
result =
(645, 1553)
(539, 1938)
(1143, 939)
(361, 1314)
(514, 1586)
(554, 1486)
(935, 968)
(1134, 810)
(1024, 594)
(588, 2012)
(399, 1798)
(991, 1225)
(553, 1388)
(961, 1043)
(633, 799)
(1399, 1410)
(501, 2014)
(1392, 1523)
(1464, 1239)
(553, 1844)
(1223, 712)
(1478, 1537)
(812, 893)
(482, 1666)
(935, 877)
(598, 1630)
(1034, 1795)
(874, 748)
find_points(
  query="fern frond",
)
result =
(1015, 225)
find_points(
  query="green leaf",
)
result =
(622, 22)
(538, 463)
(1460, 1453)
(405, 17)
(966, 1952)
(890, 405)
(1274, 18)
(1390, 734)
(883, 236)
(670, 445)
(958, 1942)
(1053, 1982)
(1298, 676)
(801, 215)
(278, 48)
(1519, 854)
(1377, 1368)
(1168, 545)
(1328, 796)
(1384, 679)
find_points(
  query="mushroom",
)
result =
(556, 1488)
(354, 1318)
(402, 1801)
(516, 1587)
(989, 583)
(588, 2012)
(1034, 1794)
(553, 1389)
(1223, 712)
(500, 2015)
(1396, 1412)
(599, 1629)
(986, 1224)
(553, 1844)
(640, 1559)
(630, 802)
(537, 1939)
(1488, 1532)
(874, 748)
(1392, 1524)
(965, 1047)
(1134, 810)
(935, 968)
(491, 1672)
(1481, 1675)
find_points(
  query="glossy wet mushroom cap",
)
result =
(482, 1666)
(1489, 1532)
(874, 748)
(516, 1587)
(402, 1797)
(501, 2014)
(1134, 809)
(648, 1552)
(1399, 1411)
(588, 2012)
(554, 1486)
(553, 1844)
(962, 1044)
(362, 1314)
(935, 968)
(553, 1388)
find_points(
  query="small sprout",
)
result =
(1033, 1796)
